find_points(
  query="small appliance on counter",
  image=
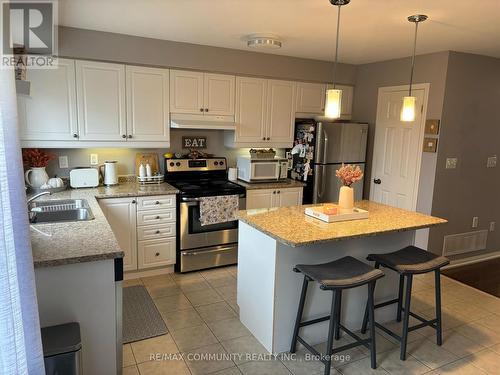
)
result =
(261, 169)
(84, 178)
(320, 148)
(109, 171)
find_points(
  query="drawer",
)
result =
(156, 216)
(152, 232)
(156, 202)
(154, 253)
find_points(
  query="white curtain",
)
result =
(20, 343)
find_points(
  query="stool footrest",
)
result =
(354, 344)
(364, 342)
(387, 303)
(314, 321)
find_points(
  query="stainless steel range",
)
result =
(202, 246)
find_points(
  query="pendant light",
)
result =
(334, 96)
(408, 108)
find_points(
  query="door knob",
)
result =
(378, 181)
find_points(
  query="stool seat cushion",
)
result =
(346, 272)
(411, 259)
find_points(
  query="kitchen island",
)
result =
(273, 241)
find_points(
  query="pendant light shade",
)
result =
(408, 107)
(333, 100)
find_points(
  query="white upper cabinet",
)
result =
(280, 111)
(347, 98)
(186, 92)
(219, 94)
(310, 98)
(49, 112)
(101, 101)
(201, 93)
(148, 117)
(251, 108)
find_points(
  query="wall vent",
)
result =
(461, 243)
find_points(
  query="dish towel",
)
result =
(219, 209)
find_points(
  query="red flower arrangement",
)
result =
(34, 157)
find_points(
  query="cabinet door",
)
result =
(251, 99)
(310, 98)
(148, 117)
(289, 197)
(346, 104)
(186, 92)
(101, 101)
(261, 198)
(154, 253)
(219, 94)
(280, 111)
(121, 216)
(49, 112)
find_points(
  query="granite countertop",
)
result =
(290, 225)
(288, 183)
(85, 241)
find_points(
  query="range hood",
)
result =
(213, 122)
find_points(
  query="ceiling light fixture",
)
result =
(333, 100)
(408, 108)
(264, 41)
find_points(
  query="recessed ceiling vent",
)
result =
(461, 243)
(264, 41)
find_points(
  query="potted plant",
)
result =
(348, 175)
(36, 161)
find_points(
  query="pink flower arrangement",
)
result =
(349, 174)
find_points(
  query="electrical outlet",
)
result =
(475, 222)
(451, 163)
(94, 159)
(492, 162)
(492, 226)
(63, 162)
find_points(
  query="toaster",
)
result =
(84, 177)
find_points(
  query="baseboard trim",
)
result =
(472, 260)
(130, 275)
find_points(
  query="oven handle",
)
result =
(184, 199)
(218, 250)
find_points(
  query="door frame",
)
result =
(382, 90)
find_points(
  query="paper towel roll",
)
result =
(232, 174)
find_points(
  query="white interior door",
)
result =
(398, 148)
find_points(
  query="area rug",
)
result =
(141, 318)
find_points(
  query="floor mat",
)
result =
(141, 319)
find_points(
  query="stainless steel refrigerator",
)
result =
(320, 149)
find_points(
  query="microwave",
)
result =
(261, 170)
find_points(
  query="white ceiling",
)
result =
(370, 30)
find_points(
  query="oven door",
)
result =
(264, 170)
(194, 235)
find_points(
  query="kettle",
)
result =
(109, 171)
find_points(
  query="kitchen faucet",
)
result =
(30, 199)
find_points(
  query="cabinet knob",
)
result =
(279, 191)
(157, 202)
(158, 232)
(133, 201)
(263, 138)
(268, 138)
(124, 136)
(206, 109)
(274, 192)
(158, 217)
(75, 135)
(157, 254)
(130, 136)
(201, 109)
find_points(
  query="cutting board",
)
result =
(147, 158)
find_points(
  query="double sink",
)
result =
(59, 210)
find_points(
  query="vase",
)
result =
(346, 199)
(36, 177)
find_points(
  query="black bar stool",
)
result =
(336, 276)
(407, 262)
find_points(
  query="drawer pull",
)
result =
(157, 217)
(157, 232)
(157, 202)
(157, 254)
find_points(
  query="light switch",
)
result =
(94, 159)
(475, 222)
(63, 162)
(492, 162)
(451, 163)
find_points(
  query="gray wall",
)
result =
(471, 133)
(104, 46)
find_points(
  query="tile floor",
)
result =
(201, 314)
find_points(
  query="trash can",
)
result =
(62, 349)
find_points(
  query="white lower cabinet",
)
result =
(269, 198)
(144, 229)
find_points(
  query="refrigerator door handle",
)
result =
(319, 184)
(325, 146)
